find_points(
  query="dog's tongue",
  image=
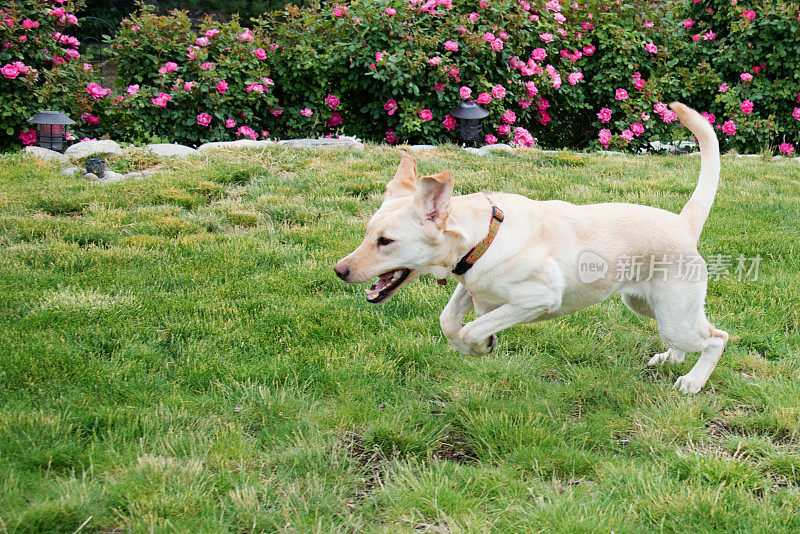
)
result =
(441, 281)
(382, 282)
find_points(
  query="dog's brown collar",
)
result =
(478, 250)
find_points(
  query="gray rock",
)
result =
(70, 171)
(111, 177)
(420, 148)
(134, 175)
(239, 143)
(91, 176)
(147, 173)
(87, 148)
(166, 150)
(323, 143)
(693, 154)
(750, 156)
(477, 151)
(47, 154)
(502, 147)
(610, 153)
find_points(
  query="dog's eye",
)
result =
(383, 241)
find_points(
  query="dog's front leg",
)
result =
(478, 335)
(452, 315)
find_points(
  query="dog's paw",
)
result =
(688, 384)
(670, 356)
(477, 347)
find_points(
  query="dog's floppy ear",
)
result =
(404, 183)
(433, 197)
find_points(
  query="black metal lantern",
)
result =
(52, 129)
(469, 115)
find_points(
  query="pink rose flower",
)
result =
(605, 137)
(589, 50)
(621, 94)
(391, 106)
(335, 119)
(749, 14)
(473, 17)
(449, 122)
(221, 86)
(604, 115)
(204, 119)
(484, 98)
(438, 87)
(246, 131)
(211, 33)
(538, 54)
(260, 53)
(29, 24)
(710, 117)
(207, 66)
(546, 37)
(651, 47)
(498, 91)
(575, 77)
(587, 26)
(246, 36)
(391, 138)
(489, 37)
(627, 135)
(669, 116)
(660, 108)
(688, 23)
(28, 137)
(379, 56)
(161, 100)
(188, 86)
(796, 113)
(451, 46)
(729, 128)
(391, 11)
(509, 117)
(202, 41)
(786, 148)
(257, 87)
(340, 11)
(695, 38)
(522, 137)
(90, 119)
(497, 45)
(747, 107)
(531, 88)
(746, 76)
(490, 139)
(332, 101)
(97, 91)
(435, 60)
(465, 92)
(709, 36)
(425, 115)
(637, 128)
(133, 89)
(503, 129)
(230, 123)
(723, 87)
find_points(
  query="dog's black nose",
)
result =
(342, 271)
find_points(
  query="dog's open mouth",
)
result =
(386, 284)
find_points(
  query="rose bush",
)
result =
(41, 68)
(580, 75)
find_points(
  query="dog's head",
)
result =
(405, 237)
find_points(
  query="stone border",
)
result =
(165, 150)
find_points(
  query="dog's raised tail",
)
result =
(699, 205)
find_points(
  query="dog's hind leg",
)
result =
(640, 306)
(684, 328)
(452, 316)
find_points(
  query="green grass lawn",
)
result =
(176, 355)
